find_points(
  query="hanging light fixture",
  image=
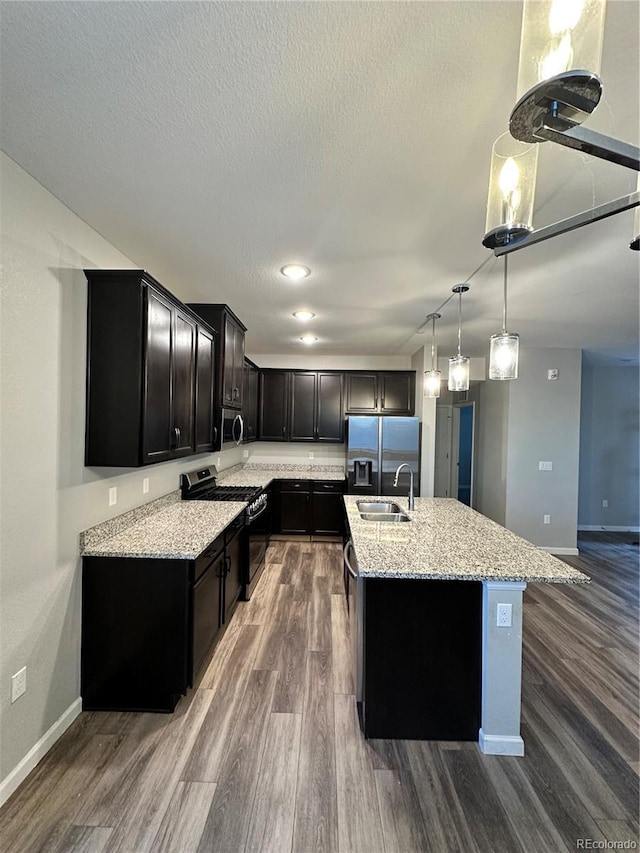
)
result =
(432, 377)
(503, 353)
(635, 240)
(459, 364)
(512, 187)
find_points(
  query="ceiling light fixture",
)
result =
(503, 353)
(512, 186)
(432, 377)
(295, 271)
(303, 315)
(459, 364)
(559, 39)
(308, 339)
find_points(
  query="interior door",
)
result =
(462, 456)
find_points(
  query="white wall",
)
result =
(609, 450)
(544, 425)
(490, 458)
(48, 497)
(426, 411)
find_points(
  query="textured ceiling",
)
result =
(213, 142)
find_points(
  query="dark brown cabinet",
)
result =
(316, 412)
(229, 351)
(233, 567)
(250, 408)
(274, 405)
(141, 371)
(388, 393)
(309, 507)
(205, 431)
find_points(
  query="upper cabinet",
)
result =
(250, 407)
(148, 359)
(229, 352)
(274, 405)
(316, 409)
(378, 393)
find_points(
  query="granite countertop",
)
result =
(180, 531)
(449, 541)
(262, 475)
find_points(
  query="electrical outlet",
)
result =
(552, 374)
(605, 503)
(245, 454)
(18, 684)
(503, 616)
(113, 495)
(145, 486)
(545, 466)
(218, 463)
(312, 456)
(546, 519)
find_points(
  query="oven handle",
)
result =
(251, 518)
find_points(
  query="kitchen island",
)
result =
(442, 659)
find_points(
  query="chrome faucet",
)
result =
(395, 482)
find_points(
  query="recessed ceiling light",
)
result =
(295, 271)
(303, 315)
(308, 339)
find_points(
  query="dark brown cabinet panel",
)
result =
(388, 393)
(303, 406)
(309, 507)
(328, 507)
(274, 405)
(141, 371)
(295, 506)
(205, 430)
(233, 567)
(229, 351)
(330, 410)
(250, 408)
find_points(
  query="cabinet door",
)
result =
(330, 412)
(362, 393)
(228, 372)
(303, 407)
(204, 426)
(233, 579)
(327, 511)
(206, 611)
(295, 512)
(158, 420)
(250, 403)
(238, 365)
(183, 358)
(274, 392)
(397, 393)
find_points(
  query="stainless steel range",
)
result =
(201, 485)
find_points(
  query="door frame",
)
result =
(455, 448)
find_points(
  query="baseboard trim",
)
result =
(37, 752)
(613, 528)
(560, 552)
(500, 744)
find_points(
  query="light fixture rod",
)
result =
(504, 301)
(595, 214)
(459, 319)
(590, 142)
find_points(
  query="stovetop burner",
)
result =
(201, 485)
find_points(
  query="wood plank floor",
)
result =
(266, 754)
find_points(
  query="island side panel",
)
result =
(422, 659)
(501, 670)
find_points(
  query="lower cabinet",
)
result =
(310, 507)
(149, 624)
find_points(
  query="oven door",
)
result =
(231, 428)
(257, 531)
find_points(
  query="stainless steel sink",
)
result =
(384, 516)
(378, 506)
(381, 511)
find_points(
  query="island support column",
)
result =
(501, 670)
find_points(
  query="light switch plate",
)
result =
(113, 495)
(546, 519)
(145, 486)
(552, 374)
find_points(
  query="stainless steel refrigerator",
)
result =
(375, 448)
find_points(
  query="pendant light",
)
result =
(503, 354)
(512, 187)
(459, 364)
(432, 377)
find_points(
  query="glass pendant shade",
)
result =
(512, 187)
(458, 373)
(432, 383)
(559, 36)
(503, 356)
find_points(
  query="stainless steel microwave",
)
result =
(231, 428)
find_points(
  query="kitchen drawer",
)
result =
(210, 553)
(295, 485)
(330, 486)
(232, 530)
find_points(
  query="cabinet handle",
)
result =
(227, 562)
(214, 437)
(283, 431)
(176, 438)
